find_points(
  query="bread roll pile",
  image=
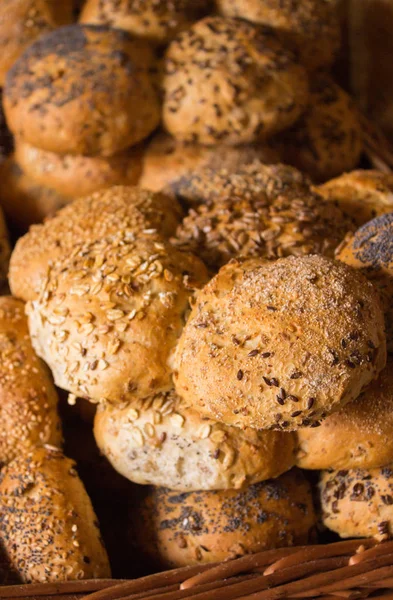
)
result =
(226, 316)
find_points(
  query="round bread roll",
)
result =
(310, 26)
(248, 217)
(117, 210)
(24, 201)
(202, 527)
(370, 250)
(167, 160)
(327, 139)
(159, 441)
(108, 317)
(158, 22)
(48, 526)
(228, 81)
(76, 176)
(358, 502)
(359, 436)
(280, 344)
(28, 399)
(362, 194)
(82, 90)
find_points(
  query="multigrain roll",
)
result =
(202, 527)
(82, 90)
(359, 436)
(109, 315)
(327, 139)
(310, 26)
(75, 176)
(47, 523)
(118, 210)
(244, 215)
(370, 250)
(362, 194)
(167, 160)
(155, 21)
(28, 399)
(23, 200)
(280, 344)
(358, 502)
(228, 81)
(159, 441)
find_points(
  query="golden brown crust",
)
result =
(280, 344)
(82, 90)
(109, 315)
(158, 22)
(105, 213)
(358, 502)
(47, 525)
(362, 194)
(28, 399)
(228, 81)
(24, 201)
(370, 250)
(159, 441)
(76, 176)
(166, 160)
(202, 527)
(327, 139)
(359, 436)
(258, 210)
(310, 26)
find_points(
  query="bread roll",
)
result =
(359, 436)
(160, 441)
(280, 344)
(202, 527)
(76, 176)
(167, 160)
(119, 209)
(362, 194)
(158, 22)
(370, 250)
(327, 139)
(109, 315)
(228, 81)
(248, 217)
(310, 26)
(48, 526)
(358, 502)
(82, 90)
(24, 201)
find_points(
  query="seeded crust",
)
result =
(249, 217)
(159, 441)
(155, 20)
(359, 436)
(311, 27)
(370, 250)
(76, 176)
(362, 194)
(109, 315)
(24, 201)
(28, 399)
(82, 90)
(327, 139)
(47, 523)
(228, 81)
(280, 344)
(167, 160)
(118, 210)
(201, 527)
(358, 502)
